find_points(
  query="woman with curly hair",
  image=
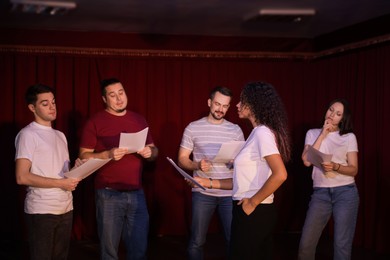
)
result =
(259, 171)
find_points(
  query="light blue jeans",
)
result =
(122, 214)
(203, 207)
(343, 202)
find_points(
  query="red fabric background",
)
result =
(171, 91)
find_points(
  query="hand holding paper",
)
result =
(316, 158)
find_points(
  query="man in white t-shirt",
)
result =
(42, 158)
(202, 139)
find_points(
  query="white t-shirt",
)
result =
(47, 149)
(204, 139)
(338, 146)
(251, 170)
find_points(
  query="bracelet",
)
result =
(211, 183)
(338, 167)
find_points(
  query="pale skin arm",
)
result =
(278, 176)
(351, 169)
(25, 177)
(149, 152)
(115, 153)
(186, 163)
(223, 184)
(326, 129)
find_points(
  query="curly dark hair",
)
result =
(268, 109)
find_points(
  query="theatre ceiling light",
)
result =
(280, 15)
(42, 7)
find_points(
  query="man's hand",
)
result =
(117, 153)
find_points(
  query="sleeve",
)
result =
(149, 138)
(240, 134)
(352, 143)
(24, 145)
(186, 141)
(266, 143)
(311, 136)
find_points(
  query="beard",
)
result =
(120, 110)
(216, 117)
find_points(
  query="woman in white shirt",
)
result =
(334, 189)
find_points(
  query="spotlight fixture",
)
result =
(281, 15)
(42, 7)
(287, 11)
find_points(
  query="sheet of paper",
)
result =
(185, 175)
(133, 141)
(316, 158)
(228, 151)
(86, 168)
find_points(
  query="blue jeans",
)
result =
(343, 202)
(122, 214)
(49, 235)
(203, 207)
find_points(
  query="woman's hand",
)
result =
(328, 166)
(205, 182)
(327, 128)
(247, 206)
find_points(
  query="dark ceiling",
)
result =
(200, 17)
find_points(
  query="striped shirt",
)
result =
(204, 139)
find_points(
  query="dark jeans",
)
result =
(49, 235)
(252, 236)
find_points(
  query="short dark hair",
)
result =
(223, 90)
(345, 124)
(32, 92)
(107, 82)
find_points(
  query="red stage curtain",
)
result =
(172, 90)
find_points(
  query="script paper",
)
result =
(185, 175)
(316, 158)
(133, 141)
(228, 151)
(86, 168)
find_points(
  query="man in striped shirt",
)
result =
(203, 139)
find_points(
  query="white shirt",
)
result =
(47, 149)
(204, 139)
(338, 146)
(251, 170)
